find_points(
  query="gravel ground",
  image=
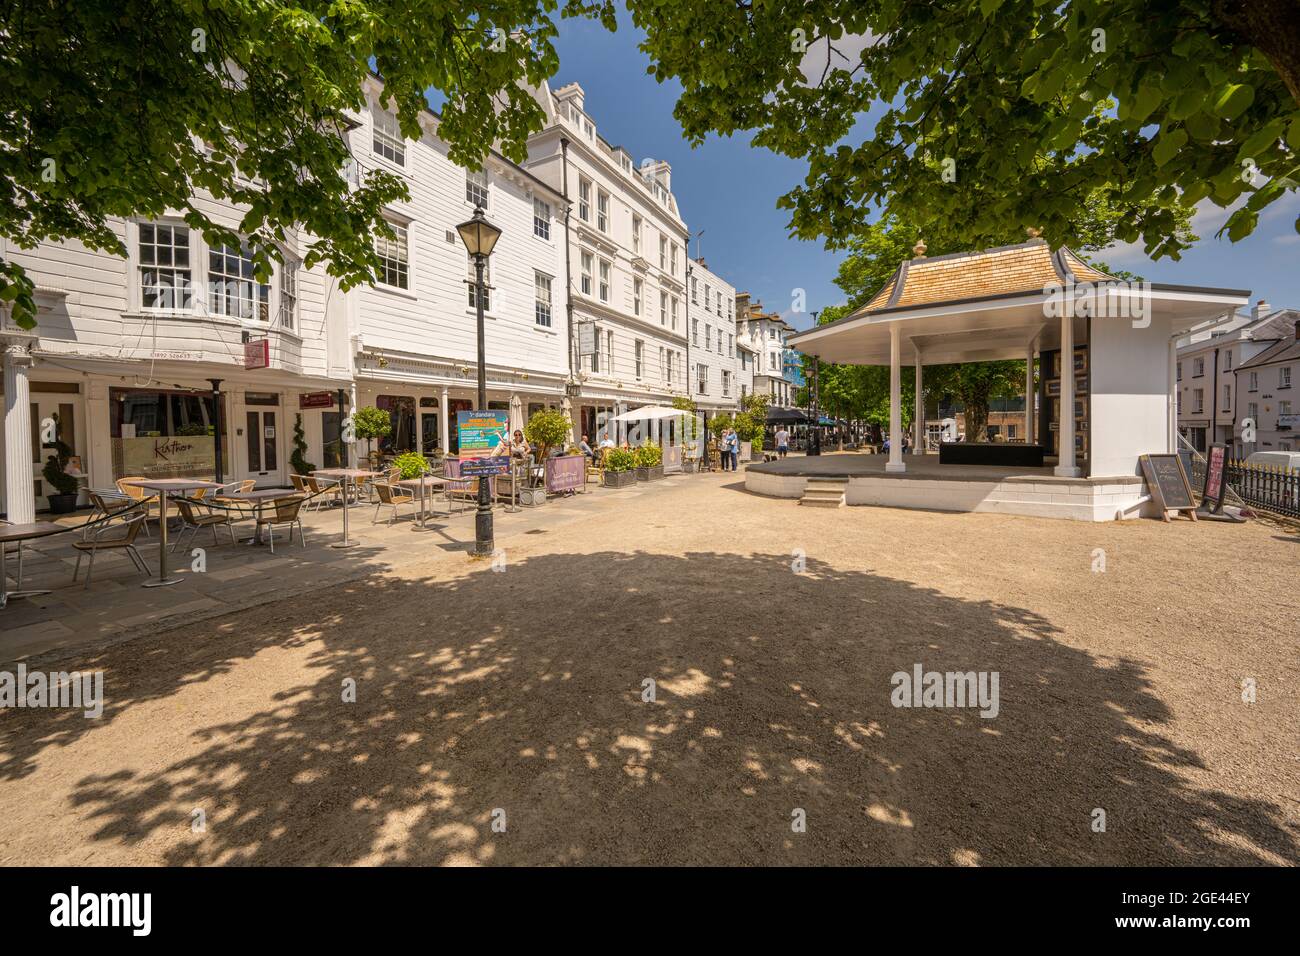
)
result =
(486, 699)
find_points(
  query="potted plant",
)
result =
(64, 498)
(298, 460)
(411, 464)
(371, 423)
(547, 429)
(619, 468)
(649, 462)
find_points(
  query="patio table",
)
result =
(165, 488)
(427, 481)
(259, 497)
(21, 533)
(347, 476)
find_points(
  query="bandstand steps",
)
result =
(824, 492)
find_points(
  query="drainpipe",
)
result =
(216, 429)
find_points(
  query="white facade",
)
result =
(413, 338)
(1267, 384)
(766, 334)
(714, 355)
(1213, 395)
(125, 349)
(627, 264)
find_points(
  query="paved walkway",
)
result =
(116, 607)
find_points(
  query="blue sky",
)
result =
(729, 189)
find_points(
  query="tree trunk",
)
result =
(1273, 28)
(976, 415)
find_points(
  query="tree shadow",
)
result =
(522, 692)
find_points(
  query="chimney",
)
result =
(1261, 309)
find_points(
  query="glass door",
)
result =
(262, 439)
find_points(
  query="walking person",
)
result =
(733, 448)
(782, 441)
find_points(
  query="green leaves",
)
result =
(1233, 100)
(1168, 145)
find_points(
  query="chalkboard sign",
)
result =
(1168, 484)
(1216, 461)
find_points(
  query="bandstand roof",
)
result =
(988, 305)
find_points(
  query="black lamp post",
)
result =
(480, 236)
(815, 440)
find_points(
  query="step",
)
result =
(833, 495)
(822, 502)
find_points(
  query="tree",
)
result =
(975, 383)
(298, 460)
(547, 428)
(992, 114)
(371, 423)
(123, 108)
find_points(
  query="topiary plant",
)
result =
(619, 459)
(411, 463)
(298, 460)
(55, 470)
(371, 423)
(547, 428)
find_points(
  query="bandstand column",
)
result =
(895, 463)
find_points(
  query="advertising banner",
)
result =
(481, 431)
(567, 473)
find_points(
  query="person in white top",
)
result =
(782, 441)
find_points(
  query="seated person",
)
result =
(606, 441)
(586, 449)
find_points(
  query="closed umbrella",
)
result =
(516, 414)
(566, 407)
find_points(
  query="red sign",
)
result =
(257, 353)
(315, 399)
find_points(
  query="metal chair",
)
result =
(325, 490)
(152, 508)
(392, 498)
(114, 536)
(193, 521)
(285, 514)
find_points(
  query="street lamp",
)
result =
(815, 441)
(480, 237)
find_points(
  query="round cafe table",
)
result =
(346, 476)
(166, 487)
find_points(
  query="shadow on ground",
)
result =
(522, 691)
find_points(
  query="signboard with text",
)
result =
(315, 399)
(566, 473)
(484, 467)
(481, 431)
(1168, 485)
(1216, 459)
(257, 353)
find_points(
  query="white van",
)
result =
(1289, 460)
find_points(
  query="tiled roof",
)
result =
(1028, 267)
(1283, 351)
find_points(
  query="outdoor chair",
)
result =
(393, 498)
(299, 483)
(19, 579)
(326, 490)
(232, 508)
(140, 494)
(194, 520)
(114, 536)
(286, 514)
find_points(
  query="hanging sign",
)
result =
(257, 353)
(586, 338)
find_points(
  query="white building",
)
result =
(1266, 384)
(125, 350)
(1213, 397)
(412, 335)
(714, 361)
(766, 333)
(626, 265)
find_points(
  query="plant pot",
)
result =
(619, 479)
(62, 504)
(531, 497)
(650, 473)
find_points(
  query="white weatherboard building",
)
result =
(626, 266)
(125, 350)
(411, 336)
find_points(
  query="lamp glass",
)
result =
(479, 235)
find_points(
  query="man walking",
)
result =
(782, 441)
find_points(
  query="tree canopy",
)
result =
(992, 114)
(119, 108)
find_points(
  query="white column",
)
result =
(895, 463)
(20, 493)
(1029, 394)
(1172, 427)
(918, 415)
(444, 419)
(1065, 467)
